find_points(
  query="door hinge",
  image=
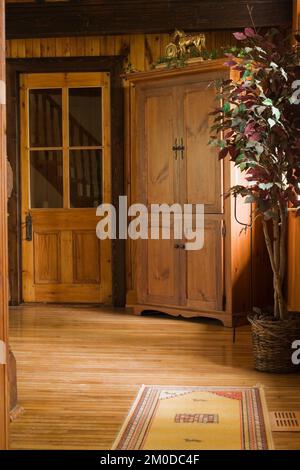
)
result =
(2, 352)
(223, 230)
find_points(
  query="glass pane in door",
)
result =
(85, 117)
(45, 118)
(85, 178)
(46, 179)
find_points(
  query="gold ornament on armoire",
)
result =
(183, 44)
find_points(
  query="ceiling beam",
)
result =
(29, 20)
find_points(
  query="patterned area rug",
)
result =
(196, 418)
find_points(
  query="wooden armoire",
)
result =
(171, 162)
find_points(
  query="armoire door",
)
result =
(204, 284)
(159, 271)
(201, 170)
(177, 167)
(202, 183)
(158, 134)
(65, 175)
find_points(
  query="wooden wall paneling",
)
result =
(296, 15)
(143, 49)
(14, 228)
(137, 51)
(152, 49)
(293, 269)
(240, 278)
(4, 393)
(139, 17)
(28, 48)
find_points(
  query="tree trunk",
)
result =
(277, 255)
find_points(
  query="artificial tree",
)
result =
(257, 128)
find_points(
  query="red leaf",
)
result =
(228, 134)
(249, 32)
(223, 153)
(240, 36)
(255, 137)
(233, 152)
(249, 129)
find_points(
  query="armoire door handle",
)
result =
(182, 148)
(175, 148)
(179, 246)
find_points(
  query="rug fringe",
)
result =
(266, 415)
(129, 414)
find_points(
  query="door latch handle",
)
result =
(179, 246)
(175, 148)
(181, 148)
(28, 223)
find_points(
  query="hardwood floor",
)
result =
(79, 369)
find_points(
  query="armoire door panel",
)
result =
(204, 270)
(47, 257)
(159, 271)
(161, 268)
(203, 172)
(158, 155)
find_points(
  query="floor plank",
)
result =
(79, 369)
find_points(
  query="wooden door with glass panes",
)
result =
(65, 175)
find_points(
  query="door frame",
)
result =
(4, 390)
(114, 66)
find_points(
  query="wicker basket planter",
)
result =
(272, 342)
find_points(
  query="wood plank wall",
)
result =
(142, 51)
(293, 274)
